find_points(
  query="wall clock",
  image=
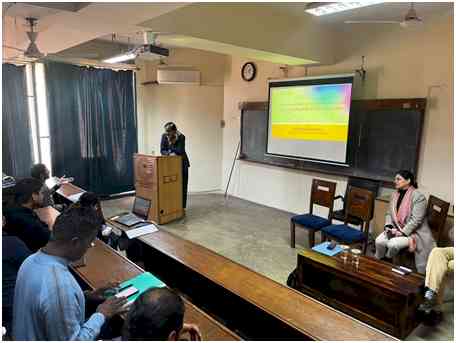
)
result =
(248, 71)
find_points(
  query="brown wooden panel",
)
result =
(104, 264)
(371, 293)
(159, 179)
(371, 271)
(312, 318)
(169, 189)
(145, 169)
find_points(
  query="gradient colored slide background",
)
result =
(312, 113)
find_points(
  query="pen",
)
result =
(124, 287)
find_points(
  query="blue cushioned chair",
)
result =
(322, 194)
(359, 205)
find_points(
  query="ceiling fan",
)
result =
(32, 53)
(410, 18)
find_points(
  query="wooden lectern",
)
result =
(159, 179)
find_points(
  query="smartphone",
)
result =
(405, 270)
(389, 234)
(127, 292)
(331, 245)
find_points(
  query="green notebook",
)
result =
(142, 282)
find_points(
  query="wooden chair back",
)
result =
(436, 214)
(360, 204)
(322, 194)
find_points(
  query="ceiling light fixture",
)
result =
(121, 58)
(324, 8)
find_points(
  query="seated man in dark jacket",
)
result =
(22, 221)
(13, 254)
(41, 172)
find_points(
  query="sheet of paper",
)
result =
(75, 197)
(140, 231)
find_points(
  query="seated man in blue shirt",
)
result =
(49, 305)
(22, 220)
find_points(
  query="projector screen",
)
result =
(309, 118)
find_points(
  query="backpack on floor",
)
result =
(292, 280)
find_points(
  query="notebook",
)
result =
(142, 282)
(323, 249)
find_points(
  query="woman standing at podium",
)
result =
(173, 143)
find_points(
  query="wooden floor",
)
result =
(257, 237)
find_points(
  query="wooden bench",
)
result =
(248, 302)
(104, 264)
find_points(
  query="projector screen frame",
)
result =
(326, 80)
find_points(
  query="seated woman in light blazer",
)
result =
(405, 224)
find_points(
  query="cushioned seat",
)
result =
(344, 233)
(311, 221)
(323, 195)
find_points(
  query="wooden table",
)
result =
(254, 305)
(48, 215)
(105, 264)
(372, 293)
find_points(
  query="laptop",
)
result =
(140, 210)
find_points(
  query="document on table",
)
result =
(142, 230)
(75, 197)
(323, 249)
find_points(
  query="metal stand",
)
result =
(232, 167)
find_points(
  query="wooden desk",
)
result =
(254, 305)
(104, 264)
(48, 215)
(373, 293)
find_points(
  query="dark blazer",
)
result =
(14, 253)
(26, 225)
(177, 148)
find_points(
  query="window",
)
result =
(39, 120)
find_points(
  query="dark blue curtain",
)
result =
(16, 134)
(93, 127)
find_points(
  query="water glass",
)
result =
(344, 255)
(356, 253)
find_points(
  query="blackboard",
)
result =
(385, 137)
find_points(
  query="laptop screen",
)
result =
(141, 207)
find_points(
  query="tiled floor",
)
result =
(257, 237)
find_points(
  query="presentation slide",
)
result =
(310, 121)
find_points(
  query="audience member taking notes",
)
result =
(49, 304)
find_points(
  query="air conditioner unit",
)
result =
(172, 76)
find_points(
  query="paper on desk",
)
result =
(75, 197)
(141, 231)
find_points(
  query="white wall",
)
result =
(196, 110)
(400, 63)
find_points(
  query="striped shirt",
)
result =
(49, 305)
